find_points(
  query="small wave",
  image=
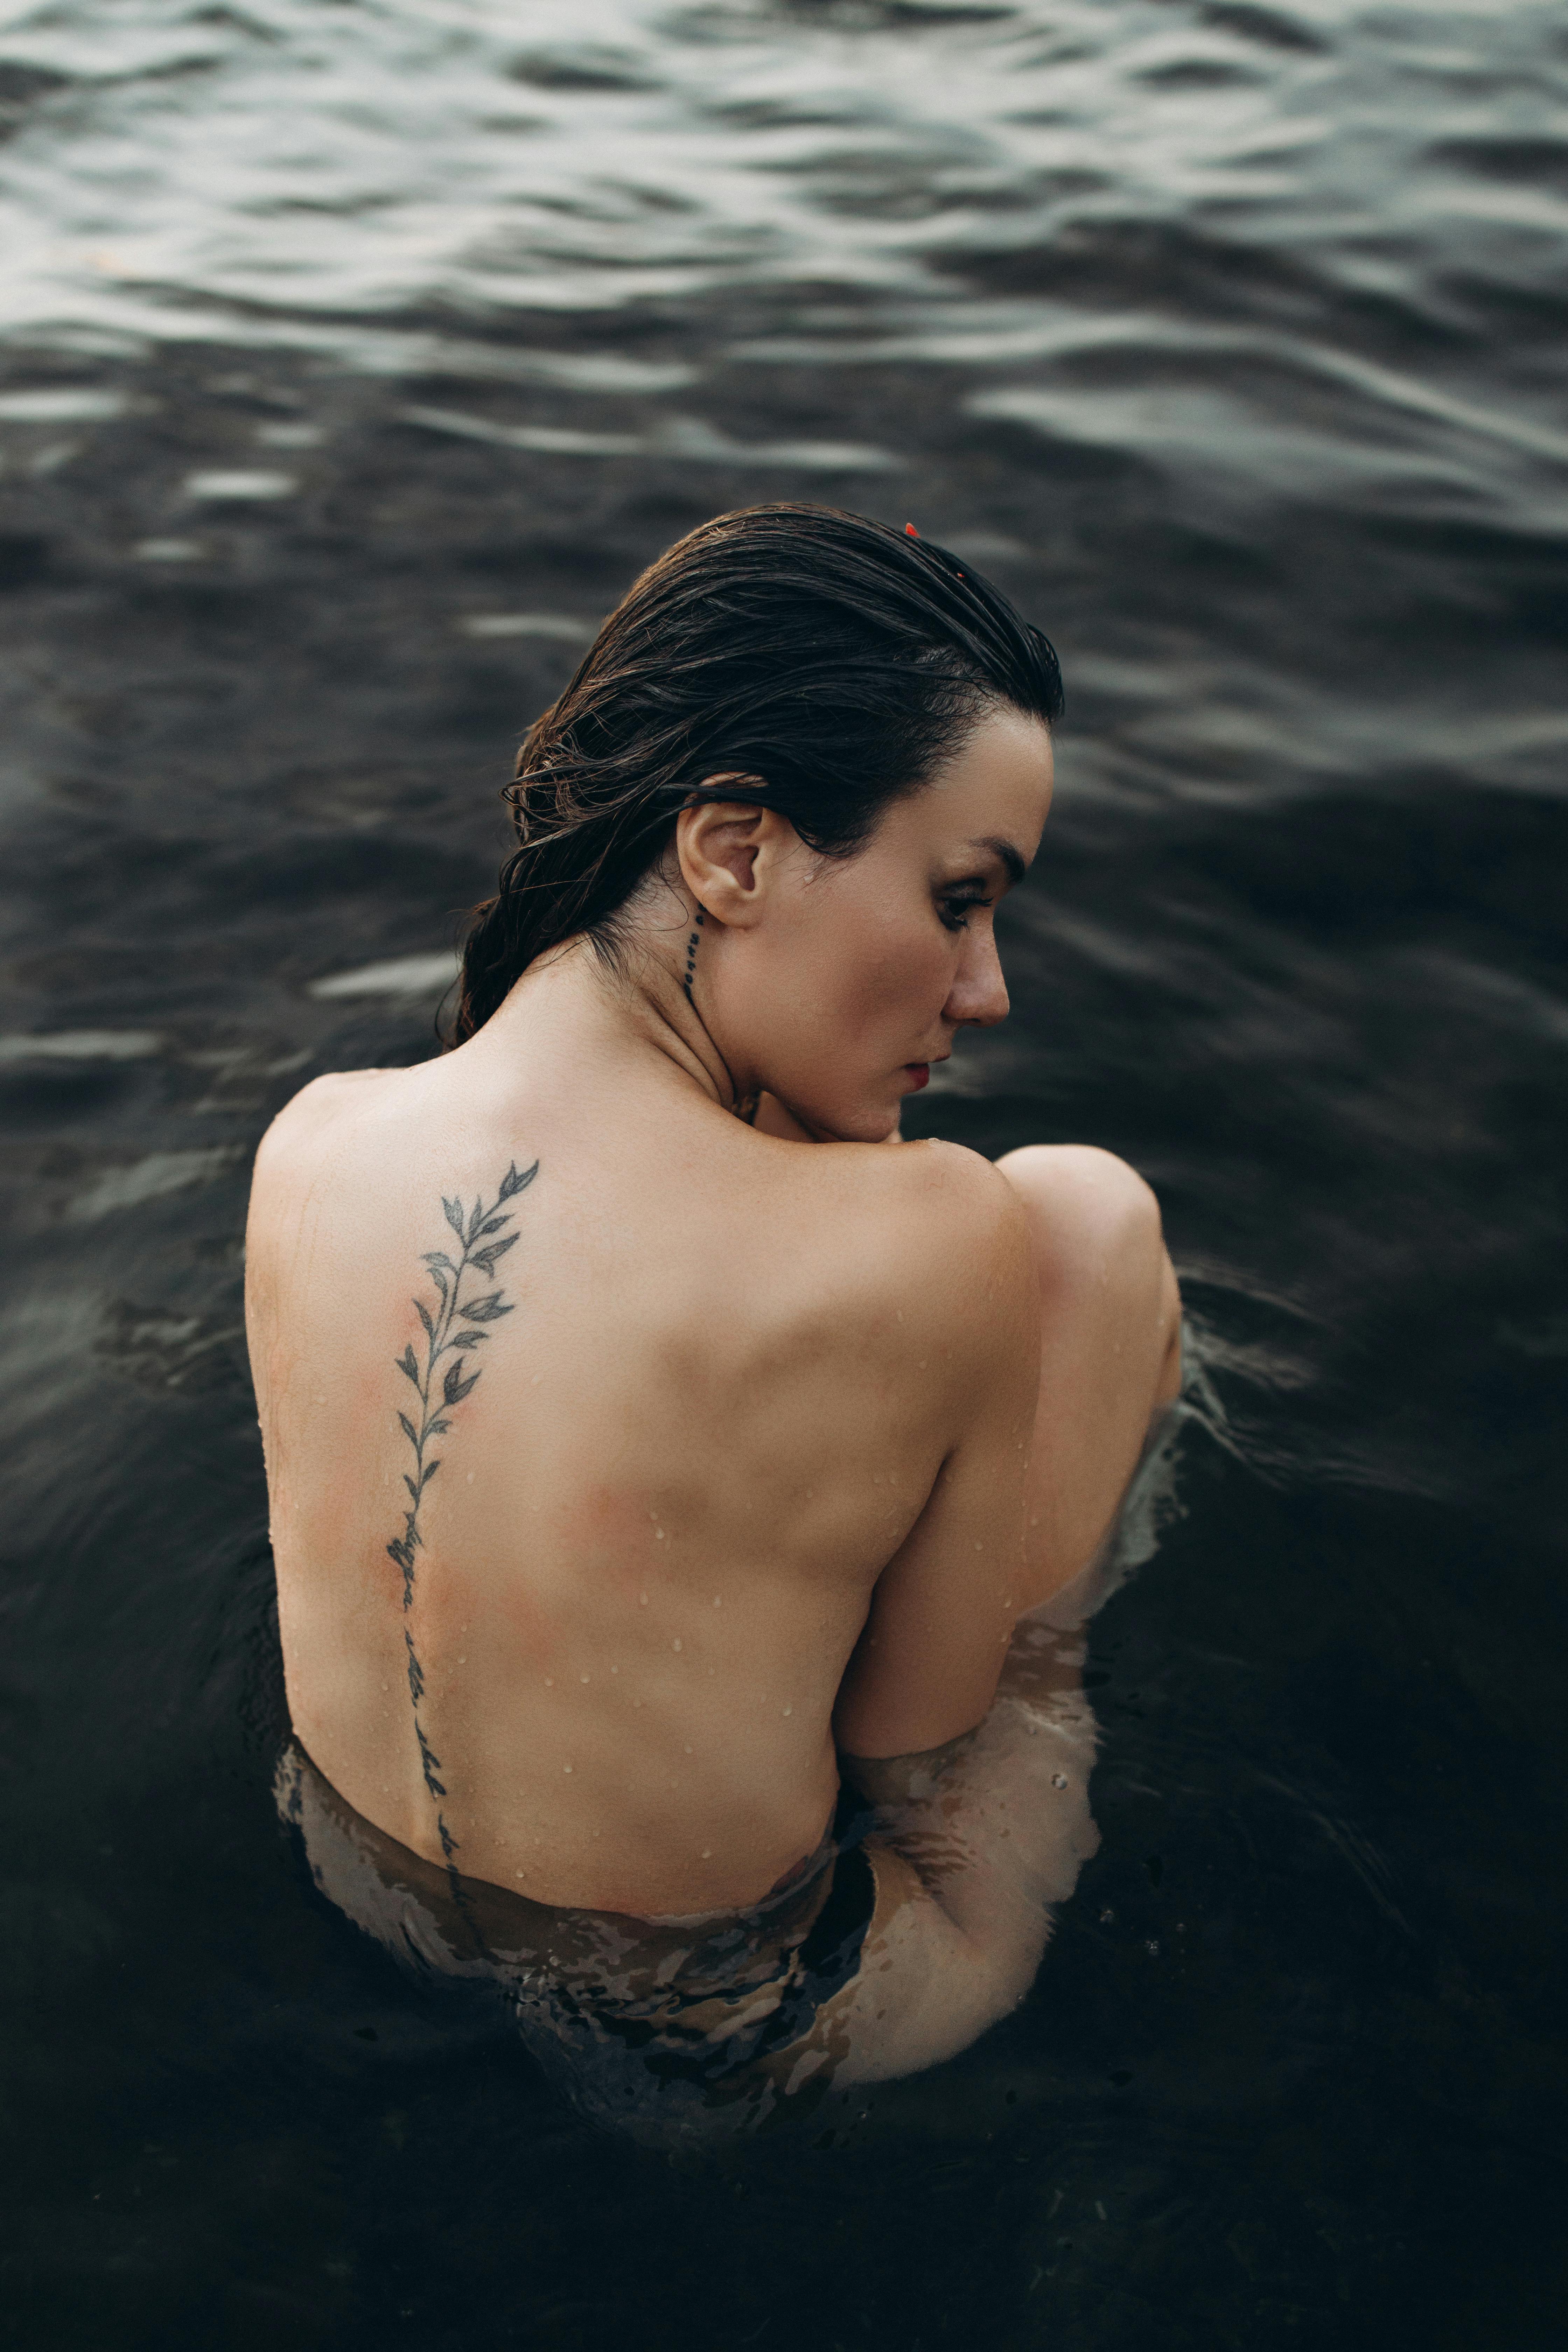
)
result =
(237, 482)
(152, 1179)
(399, 976)
(560, 626)
(83, 1045)
(595, 70)
(688, 439)
(59, 405)
(1270, 28)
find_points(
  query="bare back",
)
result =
(596, 1425)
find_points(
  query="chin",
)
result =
(872, 1123)
(863, 1120)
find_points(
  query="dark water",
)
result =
(354, 357)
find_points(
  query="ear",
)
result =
(729, 853)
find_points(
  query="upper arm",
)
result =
(943, 1612)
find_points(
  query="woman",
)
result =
(635, 1459)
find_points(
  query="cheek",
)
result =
(860, 935)
(899, 972)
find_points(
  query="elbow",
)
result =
(872, 1732)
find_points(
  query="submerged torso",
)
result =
(689, 1421)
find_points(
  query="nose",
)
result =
(978, 997)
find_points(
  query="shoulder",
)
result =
(940, 1195)
(320, 1129)
(323, 1110)
(932, 1232)
(323, 1101)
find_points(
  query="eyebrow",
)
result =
(1000, 847)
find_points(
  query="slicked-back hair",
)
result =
(830, 663)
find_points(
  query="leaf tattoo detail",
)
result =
(449, 1330)
(486, 1309)
(485, 1259)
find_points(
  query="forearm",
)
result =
(998, 1817)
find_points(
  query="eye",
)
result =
(955, 908)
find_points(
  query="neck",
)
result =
(643, 1010)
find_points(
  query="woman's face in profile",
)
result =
(854, 974)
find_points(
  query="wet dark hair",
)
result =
(832, 662)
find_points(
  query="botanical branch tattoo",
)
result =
(454, 1327)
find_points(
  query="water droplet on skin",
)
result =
(688, 1751)
(674, 1645)
(470, 1477)
(614, 1670)
(642, 1598)
(566, 1767)
(462, 1662)
(1059, 1780)
(789, 1710)
(707, 1854)
(550, 1682)
(658, 1534)
(718, 1600)
(584, 1678)
(386, 1687)
(522, 1873)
